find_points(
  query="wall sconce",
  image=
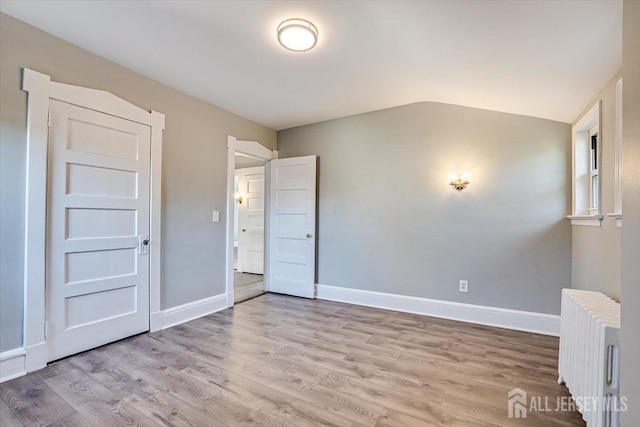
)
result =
(238, 198)
(459, 183)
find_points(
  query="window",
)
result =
(587, 157)
(594, 187)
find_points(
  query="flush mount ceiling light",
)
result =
(298, 35)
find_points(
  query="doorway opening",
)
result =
(288, 207)
(248, 228)
(248, 154)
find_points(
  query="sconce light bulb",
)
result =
(461, 182)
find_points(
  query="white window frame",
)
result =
(617, 209)
(582, 211)
(594, 194)
(40, 91)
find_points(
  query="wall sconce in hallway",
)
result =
(461, 182)
(238, 197)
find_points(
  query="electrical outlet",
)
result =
(216, 216)
(464, 286)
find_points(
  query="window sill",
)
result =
(618, 217)
(586, 220)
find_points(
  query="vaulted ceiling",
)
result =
(544, 59)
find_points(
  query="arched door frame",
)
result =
(255, 150)
(40, 91)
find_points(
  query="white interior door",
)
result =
(292, 225)
(98, 221)
(251, 220)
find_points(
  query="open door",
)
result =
(292, 225)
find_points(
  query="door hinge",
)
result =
(46, 330)
(49, 119)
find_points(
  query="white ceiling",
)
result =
(539, 58)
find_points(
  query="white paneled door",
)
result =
(292, 224)
(98, 228)
(251, 220)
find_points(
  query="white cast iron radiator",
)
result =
(589, 352)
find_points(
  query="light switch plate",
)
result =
(463, 286)
(216, 216)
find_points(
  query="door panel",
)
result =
(87, 223)
(100, 181)
(251, 221)
(292, 217)
(98, 206)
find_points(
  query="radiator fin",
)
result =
(589, 351)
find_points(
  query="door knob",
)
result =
(143, 242)
(244, 230)
(309, 235)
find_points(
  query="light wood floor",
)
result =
(246, 286)
(284, 361)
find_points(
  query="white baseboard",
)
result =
(193, 310)
(540, 323)
(12, 364)
(155, 321)
(36, 356)
(231, 298)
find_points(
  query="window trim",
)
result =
(582, 213)
(617, 207)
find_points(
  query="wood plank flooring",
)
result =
(284, 361)
(247, 286)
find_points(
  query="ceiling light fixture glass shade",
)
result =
(298, 35)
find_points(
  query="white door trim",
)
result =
(40, 91)
(257, 151)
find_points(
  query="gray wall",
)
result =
(596, 250)
(194, 166)
(630, 283)
(389, 222)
